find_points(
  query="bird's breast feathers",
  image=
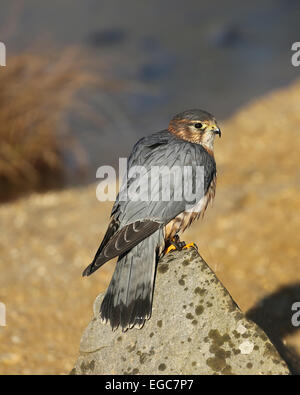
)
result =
(182, 221)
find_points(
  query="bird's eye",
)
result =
(199, 125)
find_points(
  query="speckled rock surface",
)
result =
(195, 328)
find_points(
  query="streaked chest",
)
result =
(180, 223)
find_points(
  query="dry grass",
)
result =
(35, 93)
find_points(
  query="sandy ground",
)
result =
(250, 238)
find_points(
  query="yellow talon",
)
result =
(170, 248)
(190, 245)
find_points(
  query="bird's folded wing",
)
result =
(122, 241)
(135, 219)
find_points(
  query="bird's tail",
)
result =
(128, 299)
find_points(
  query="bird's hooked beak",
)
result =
(216, 130)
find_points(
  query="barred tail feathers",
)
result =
(128, 299)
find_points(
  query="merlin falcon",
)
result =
(141, 231)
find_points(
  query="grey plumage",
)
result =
(136, 230)
(128, 299)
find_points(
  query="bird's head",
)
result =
(195, 126)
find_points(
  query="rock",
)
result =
(195, 328)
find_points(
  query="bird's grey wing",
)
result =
(138, 219)
(169, 194)
(121, 241)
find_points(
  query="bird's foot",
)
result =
(175, 244)
(190, 245)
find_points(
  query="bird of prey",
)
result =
(140, 231)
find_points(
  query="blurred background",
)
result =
(83, 81)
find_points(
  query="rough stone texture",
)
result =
(195, 328)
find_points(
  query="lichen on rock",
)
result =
(201, 331)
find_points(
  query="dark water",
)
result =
(216, 55)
